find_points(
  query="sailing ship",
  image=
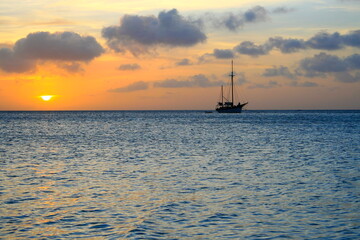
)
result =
(229, 106)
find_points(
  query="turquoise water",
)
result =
(180, 175)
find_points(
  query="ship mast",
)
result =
(232, 82)
(222, 96)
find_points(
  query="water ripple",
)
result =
(180, 175)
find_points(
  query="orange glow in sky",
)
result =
(122, 55)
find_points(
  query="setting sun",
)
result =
(46, 97)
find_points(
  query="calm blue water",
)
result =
(180, 175)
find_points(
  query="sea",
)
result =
(180, 175)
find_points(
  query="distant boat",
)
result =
(229, 106)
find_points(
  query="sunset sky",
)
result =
(175, 55)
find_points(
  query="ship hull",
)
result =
(229, 110)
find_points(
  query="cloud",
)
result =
(353, 61)
(129, 67)
(183, 62)
(250, 48)
(255, 14)
(199, 80)
(285, 45)
(223, 53)
(270, 84)
(278, 71)
(285, 72)
(53, 22)
(303, 84)
(73, 67)
(137, 86)
(346, 77)
(321, 40)
(65, 46)
(137, 33)
(352, 39)
(325, 41)
(206, 57)
(282, 10)
(334, 41)
(241, 79)
(11, 62)
(323, 63)
(235, 21)
(60, 46)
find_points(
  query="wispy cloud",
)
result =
(270, 84)
(199, 80)
(282, 10)
(137, 86)
(234, 21)
(183, 62)
(303, 84)
(54, 22)
(129, 67)
(72, 67)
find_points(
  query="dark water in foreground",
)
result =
(180, 175)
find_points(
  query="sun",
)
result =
(46, 97)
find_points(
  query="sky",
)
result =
(173, 55)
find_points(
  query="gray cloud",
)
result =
(285, 72)
(352, 38)
(137, 33)
(346, 77)
(73, 67)
(199, 80)
(11, 62)
(303, 84)
(183, 62)
(278, 71)
(323, 63)
(241, 79)
(255, 14)
(223, 53)
(61, 46)
(325, 41)
(173, 83)
(129, 67)
(353, 61)
(65, 46)
(250, 48)
(334, 41)
(285, 45)
(282, 10)
(322, 41)
(233, 21)
(270, 84)
(137, 86)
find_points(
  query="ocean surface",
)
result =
(180, 175)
